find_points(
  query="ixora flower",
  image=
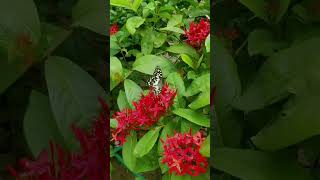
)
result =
(148, 110)
(90, 164)
(181, 154)
(114, 29)
(198, 33)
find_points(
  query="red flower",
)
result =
(90, 164)
(181, 154)
(148, 110)
(198, 33)
(114, 29)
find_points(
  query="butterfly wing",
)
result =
(156, 81)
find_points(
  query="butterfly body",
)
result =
(156, 81)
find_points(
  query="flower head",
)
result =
(147, 111)
(198, 33)
(114, 29)
(90, 163)
(181, 154)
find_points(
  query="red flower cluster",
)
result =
(90, 164)
(147, 112)
(181, 154)
(114, 29)
(198, 33)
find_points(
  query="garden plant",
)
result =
(266, 71)
(160, 89)
(54, 115)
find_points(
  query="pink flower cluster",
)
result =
(198, 33)
(181, 154)
(90, 164)
(147, 112)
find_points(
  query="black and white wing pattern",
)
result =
(156, 81)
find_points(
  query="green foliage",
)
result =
(267, 81)
(46, 82)
(150, 35)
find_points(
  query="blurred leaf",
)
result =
(91, 14)
(184, 49)
(279, 77)
(202, 100)
(146, 143)
(73, 95)
(187, 125)
(207, 43)
(200, 84)
(258, 7)
(113, 123)
(116, 72)
(172, 29)
(39, 119)
(129, 158)
(176, 19)
(122, 100)
(147, 64)
(228, 86)
(148, 162)
(129, 4)
(147, 42)
(175, 81)
(193, 116)
(262, 166)
(205, 147)
(133, 91)
(262, 42)
(185, 58)
(19, 36)
(133, 23)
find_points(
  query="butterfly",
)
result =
(156, 81)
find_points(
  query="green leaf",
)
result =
(163, 166)
(148, 162)
(200, 84)
(226, 80)
(146, 143)
(129, 4)
(280, 76)
(114, 47)
(116, 72)
(127, 151)
(262, 166)
(172, 29)
(168, 130)
(258, 7)
(193, 116)
(176, 19)
(39, 119)
(202, 100)
(17, 26)
(205, 147)
(159, 38)
(184, 49)
(147, 42)
(133, 91)
(122, 100)
(73, 96)
(147, 64)
(185, 58)
(91, 14)
(113, 123)
(176, 82)
(207, 43)
(176, 177)
(133, 23)
(262, 42)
